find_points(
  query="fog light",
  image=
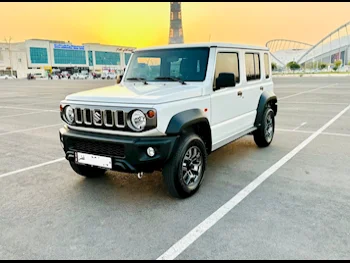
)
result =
(151, 152)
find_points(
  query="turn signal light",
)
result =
(61, 108)
(151, 114)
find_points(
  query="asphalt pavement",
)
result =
(287, 201)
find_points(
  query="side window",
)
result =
(267, 66)
(227, 63)
(252, 65)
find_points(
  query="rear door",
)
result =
(267, 78)
(253, 84)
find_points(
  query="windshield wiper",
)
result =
(138, 79)
(172, 79)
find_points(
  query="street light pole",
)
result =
(9, 44)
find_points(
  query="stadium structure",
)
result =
(334, 46)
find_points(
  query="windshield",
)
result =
(186, 64)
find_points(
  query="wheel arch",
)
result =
(192, 120)
(266, 98)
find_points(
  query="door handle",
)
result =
(261, 88)
(239, 93)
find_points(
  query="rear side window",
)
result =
(267, 66)
(252, 65)
(227, 62)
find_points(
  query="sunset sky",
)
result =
(146, 24)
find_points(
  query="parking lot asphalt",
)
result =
(300, 210)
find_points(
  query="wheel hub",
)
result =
(192, 167)
(269, 127)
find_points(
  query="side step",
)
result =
(233, 138)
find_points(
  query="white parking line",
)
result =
(17, 108)
(309, 132)
(298, 131)
(336, 134)
(199, 230)
(43, 102)
(31, 167)
(308, 91)
(314, 103)
(23, 114)
(33, 95)
(301, 125)
(31, 129)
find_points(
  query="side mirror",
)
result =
(225, 80)
(119, 78)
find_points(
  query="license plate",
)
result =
(94, 160)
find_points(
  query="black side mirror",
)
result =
(119, 78)
(225, 80)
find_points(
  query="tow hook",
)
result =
(140, 175)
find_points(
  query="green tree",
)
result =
(349, 63)
(322, 66)
(293, 65)
(337, 64)
(274, 66)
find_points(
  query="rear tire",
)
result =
(86, 171)
(263, 136)
(184, 172)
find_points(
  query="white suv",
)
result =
(79, 76)
(174, 106)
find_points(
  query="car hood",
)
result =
(139, 93)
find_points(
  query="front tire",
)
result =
(86, 171)
(264, 134)
(184, 172)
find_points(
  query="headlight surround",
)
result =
(138, 120)
(69, 114)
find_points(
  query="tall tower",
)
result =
(175, 32)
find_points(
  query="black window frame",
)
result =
(238, 63)
(254, 54)
(267, 66)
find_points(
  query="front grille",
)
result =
(97, 148)
(88, 117)
(112, 119)
(97, 117)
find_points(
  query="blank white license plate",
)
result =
(94, 160)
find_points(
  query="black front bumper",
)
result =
(129, 154)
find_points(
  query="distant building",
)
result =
(334, 46)
(176, 31)
(37, 55)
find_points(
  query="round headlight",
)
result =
(138, 120)
(69, 114)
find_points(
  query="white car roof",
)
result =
(206, 44)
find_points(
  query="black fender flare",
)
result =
(185, 119)
(267, 97)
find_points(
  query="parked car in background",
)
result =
(110, 75)
(79, 76)
(96, 75)
(30, 76)
(66, 74)
(8, 77)
(55, 75)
